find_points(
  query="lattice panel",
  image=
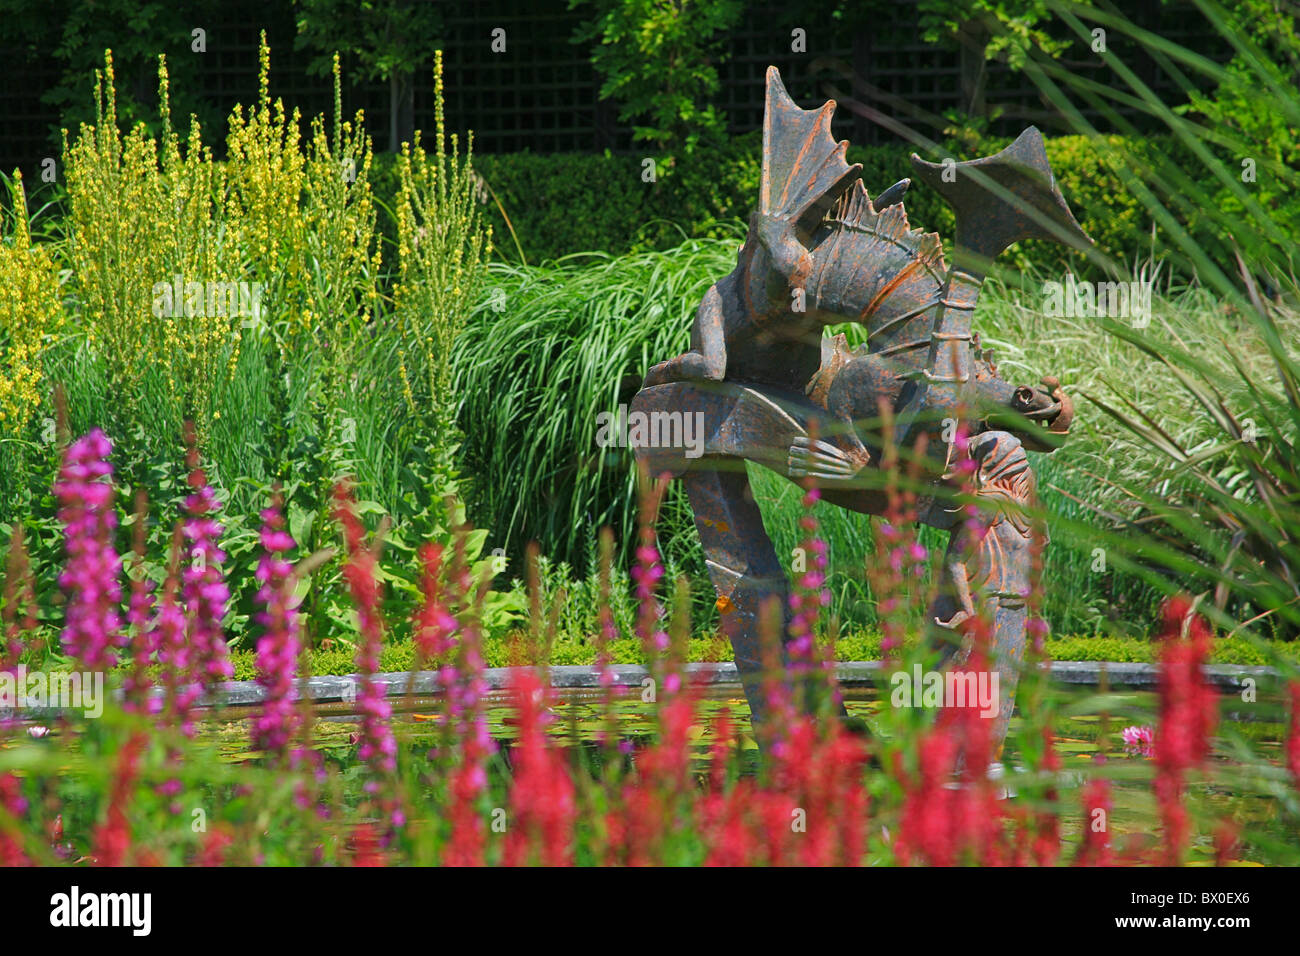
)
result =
(543, 95)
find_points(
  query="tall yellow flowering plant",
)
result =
(442, 249)
(177, 258)
(31, 314)
(153, 266)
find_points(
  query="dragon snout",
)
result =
(1048, 405)
(1060, 422)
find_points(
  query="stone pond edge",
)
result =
(343, 688)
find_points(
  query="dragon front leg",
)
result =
(707, 359)
(858, 385)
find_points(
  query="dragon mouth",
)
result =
(1048, 414)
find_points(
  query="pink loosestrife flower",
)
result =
(205, 594)
(112, 840)
(139, 616)
(204, 589)
(646, 575)
(14, 804)
(84, 489)
(466, 687)
(943, 824)
(899, 556)
(1188, 713)
(378, 746)
(809, 597)
(606, 633)
(434, 622)
(279, 645)
(542, 799)
(174, 651)
(927, 827)
(1095, 850)
(1046, 842)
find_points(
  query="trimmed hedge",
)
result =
(858, 646)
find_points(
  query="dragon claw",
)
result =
(813, 458)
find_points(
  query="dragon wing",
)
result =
(804, 169)
(872, 266)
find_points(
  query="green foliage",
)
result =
(657, 59)
(1228, 521)
(387, 40)
(385, 37)
(1108, 212)
(564, 203)
(547, 349)
(1011, 28)
(75, 34)
(1253, 126)
(1212, 510)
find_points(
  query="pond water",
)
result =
(1238, 783)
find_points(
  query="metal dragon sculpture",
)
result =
(773, 389)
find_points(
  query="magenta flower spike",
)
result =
(92, 631)
(278, 647)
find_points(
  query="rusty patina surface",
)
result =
(770, 388)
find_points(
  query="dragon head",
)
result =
(1039, 416)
